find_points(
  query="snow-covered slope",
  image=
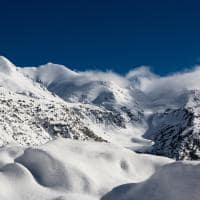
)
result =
(101, 89)
(49, 74)
(31, 115)
(67, 169)
(32, 121)
(177, 181)
(176, 131)
(110, 103)
(15, 81)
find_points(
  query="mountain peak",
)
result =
(6, 66)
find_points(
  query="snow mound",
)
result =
(67, 169)
(177, 181)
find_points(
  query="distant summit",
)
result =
(6, 66)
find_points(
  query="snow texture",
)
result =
(67, 169)
(177, 181)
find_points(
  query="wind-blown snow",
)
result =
(66, 169)
(72, 85)
(15, 81)
(88, 87)
(50, 73)
(6, 66)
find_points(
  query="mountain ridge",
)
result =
(109, 107)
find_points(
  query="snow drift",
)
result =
(177, 181)
(67, 169)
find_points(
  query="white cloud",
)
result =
(179, 81)
(88, 76)
(140, 77)
(142, 71)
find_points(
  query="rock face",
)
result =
(176, 132)
(176, 139)
(33, 121)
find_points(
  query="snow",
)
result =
(6, 66)
(106, 118)
(12, 79)
(49, 74)
(121, 110)
(79, 86)
(71, 170)
(177, 181)
(33, 121)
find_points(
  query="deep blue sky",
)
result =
(102, 34)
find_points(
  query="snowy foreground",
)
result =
(176, 181)
(66, 169)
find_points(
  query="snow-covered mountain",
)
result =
(141, 111)
(101, 89)
(15, 81)
(139, 93)
(116, 120)
(32, 115)
(176, 131)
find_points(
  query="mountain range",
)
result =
(57, 123)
